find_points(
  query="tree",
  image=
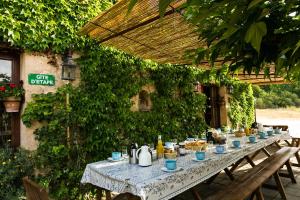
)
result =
(248, 34)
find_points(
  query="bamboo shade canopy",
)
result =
(143, 33)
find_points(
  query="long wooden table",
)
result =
(152, 183)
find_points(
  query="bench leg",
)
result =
(298, 160)
(279, 185)
(259, 194)
(290, 170)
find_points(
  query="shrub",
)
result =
(14, 165)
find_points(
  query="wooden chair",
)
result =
(34, 191)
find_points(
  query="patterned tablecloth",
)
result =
(153, 183)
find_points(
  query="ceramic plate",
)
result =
(233, 147)
(221, 153)
(111, 160)
(194, 159)
(175, 170)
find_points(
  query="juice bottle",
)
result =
(159, 148)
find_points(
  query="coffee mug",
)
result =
(277, 131)
(270, 133)
(220, 148)
(116, 155)
(252, 139)
(262, 135)
(170, 164)
(236, 143)
(200, 155)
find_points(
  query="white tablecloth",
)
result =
(151, 183)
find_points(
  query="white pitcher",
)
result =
(144, 157)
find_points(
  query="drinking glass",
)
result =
(210, 146)
(124, 152)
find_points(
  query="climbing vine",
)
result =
(241, 111)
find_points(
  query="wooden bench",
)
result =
(251, 182)
(34, 191)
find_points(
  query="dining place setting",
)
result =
(173, 167)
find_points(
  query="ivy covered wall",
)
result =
(241, 112)
(100, 117)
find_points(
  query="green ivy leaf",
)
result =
(255, 33)
(131, 5)
(163, 4)
(254, 3)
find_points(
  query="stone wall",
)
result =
(38, 63)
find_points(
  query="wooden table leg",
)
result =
(235, 165)
(279, 185)
(126, 196)
(211, 179)
(108, 195)
(249, 160)
(288, 143)
(195, 194)
(266, 152)
(255, 154)
(229, 174)
(277, 145)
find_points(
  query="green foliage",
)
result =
(100, 118)
(242, 105)
(249, 35)
(46, 25)
(13, 167)
(277, 96)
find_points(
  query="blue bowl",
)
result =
(236, 143)
(252, 139)
(116, 155)
(200, 155)
(170, 164)
(220, 149)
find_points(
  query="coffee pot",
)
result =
(144, 156)
(132, 153)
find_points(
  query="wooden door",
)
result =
(212, 114)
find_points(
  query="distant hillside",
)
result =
(277, 96)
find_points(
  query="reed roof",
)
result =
(143, 33)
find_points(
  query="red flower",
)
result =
(2, 88)
(12, 85)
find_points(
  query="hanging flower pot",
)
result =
(11, 96)
(12, 104)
